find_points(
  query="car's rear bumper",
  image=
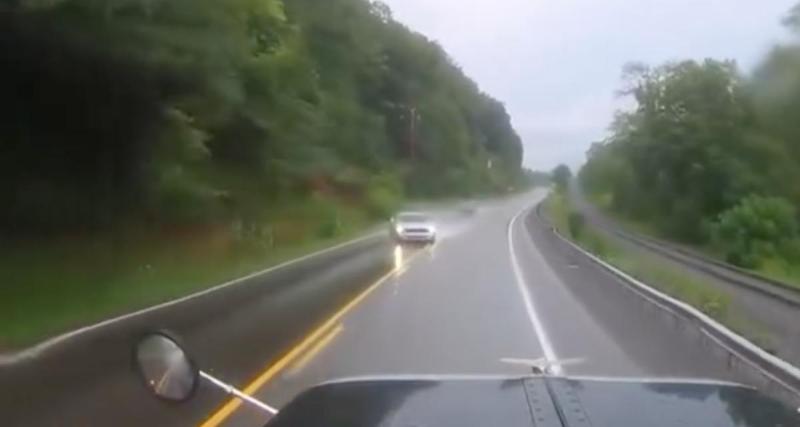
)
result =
(415, 237)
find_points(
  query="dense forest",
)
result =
(203, 111)
(709, 155)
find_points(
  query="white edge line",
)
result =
(31, 352)
(705, 319)
(541, 334)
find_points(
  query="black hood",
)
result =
(533, 401)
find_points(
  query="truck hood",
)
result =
(532, 401)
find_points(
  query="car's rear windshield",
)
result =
(412, 217)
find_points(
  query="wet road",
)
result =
(233, 330)
(498, 284)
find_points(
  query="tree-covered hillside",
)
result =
(710, 156)
(208, 111)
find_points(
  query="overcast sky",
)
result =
(556, 63)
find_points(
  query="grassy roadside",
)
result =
(667, 279)
(50, 287)
(776, 269)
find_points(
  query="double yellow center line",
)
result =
(316, 349)
(307, 343)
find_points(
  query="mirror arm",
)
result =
(234, 391)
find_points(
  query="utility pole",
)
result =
(412, 134)
(410, 113)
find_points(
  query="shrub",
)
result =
(742, 258)
(713, 304)
(384, 195)
(181, 199)
(756, 228)
(325, 213)
(597, 245)
(329, 228)
(576, 223)
(561, 176)
(791, 250)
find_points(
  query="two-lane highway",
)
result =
(497, 285)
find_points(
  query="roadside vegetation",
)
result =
(71, 282)
(674, 282)
(708, 157)
(154, 147)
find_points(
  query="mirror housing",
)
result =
(166, 370)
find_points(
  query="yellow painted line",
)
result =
(226, 410)
(318, 347)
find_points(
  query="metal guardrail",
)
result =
(776, 289)
(781, 378)
(772, 288)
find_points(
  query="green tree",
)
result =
(561, 177)
(756, 228)
(206, 110)
(709, 153)
(686, 152)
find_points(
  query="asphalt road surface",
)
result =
(498, 284)
(89, 381)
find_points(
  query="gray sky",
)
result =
(556, 63)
